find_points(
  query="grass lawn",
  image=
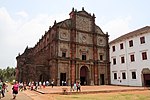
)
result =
(132, 95)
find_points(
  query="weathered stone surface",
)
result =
(64, 49)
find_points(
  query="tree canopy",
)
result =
(7, 74)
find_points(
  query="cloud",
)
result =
(16, 34)
(34, 28)
(22, 14)
(7, 24)
(117, 27)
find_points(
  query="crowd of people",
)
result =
(22, 86)
(76, 86)
(34, 85)
(4, 89)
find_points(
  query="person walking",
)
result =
(47, 83)
(44, 84)
(24, 86)
(74, 86)
(1, 85)
(6, 86)
(40, 84)
(52, 83)
(32, 86)
(78, 87)
(15, 89)
(36, 85)
(3, 89)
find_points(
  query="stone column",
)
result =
(98, 74)
(95, 74)
(92, 75)
(69, 81)
(78, 72)
(72, 76)
(58, 74)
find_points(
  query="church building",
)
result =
(73, 50)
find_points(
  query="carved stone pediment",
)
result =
(84, 13)
(98, 30)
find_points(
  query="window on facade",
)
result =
(51, 51)
(123, 75)
(144, 56)
(133, 75)
(131, 43)
(132, 57)
(122, 60)
(115, 75)
(113, 48)
(121, 46)
(52, 36)
(114, 61)
(142, 40)
(83, 57)
(101, 57)
(47, 39)
(63, 54)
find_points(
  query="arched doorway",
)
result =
(146, 77)
(84, 75)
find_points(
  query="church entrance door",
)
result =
(63, 79)
(146, 79)
(84, 75)
(102, 82)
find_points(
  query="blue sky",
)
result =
(23, 22)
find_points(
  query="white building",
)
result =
(130, 58)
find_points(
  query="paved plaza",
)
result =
(89, 89)
(40, 94)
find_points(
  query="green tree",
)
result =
(7, 74)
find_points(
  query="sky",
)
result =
(23, 22)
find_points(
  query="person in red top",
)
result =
(15, 89)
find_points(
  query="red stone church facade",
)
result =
(72, 50)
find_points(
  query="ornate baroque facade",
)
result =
(75, 49)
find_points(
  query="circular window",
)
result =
(100, 41)
(64, 34)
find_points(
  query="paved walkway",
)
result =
(20, 96)
(89, 89)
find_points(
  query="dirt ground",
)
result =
(91, 93)
(130, 95)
